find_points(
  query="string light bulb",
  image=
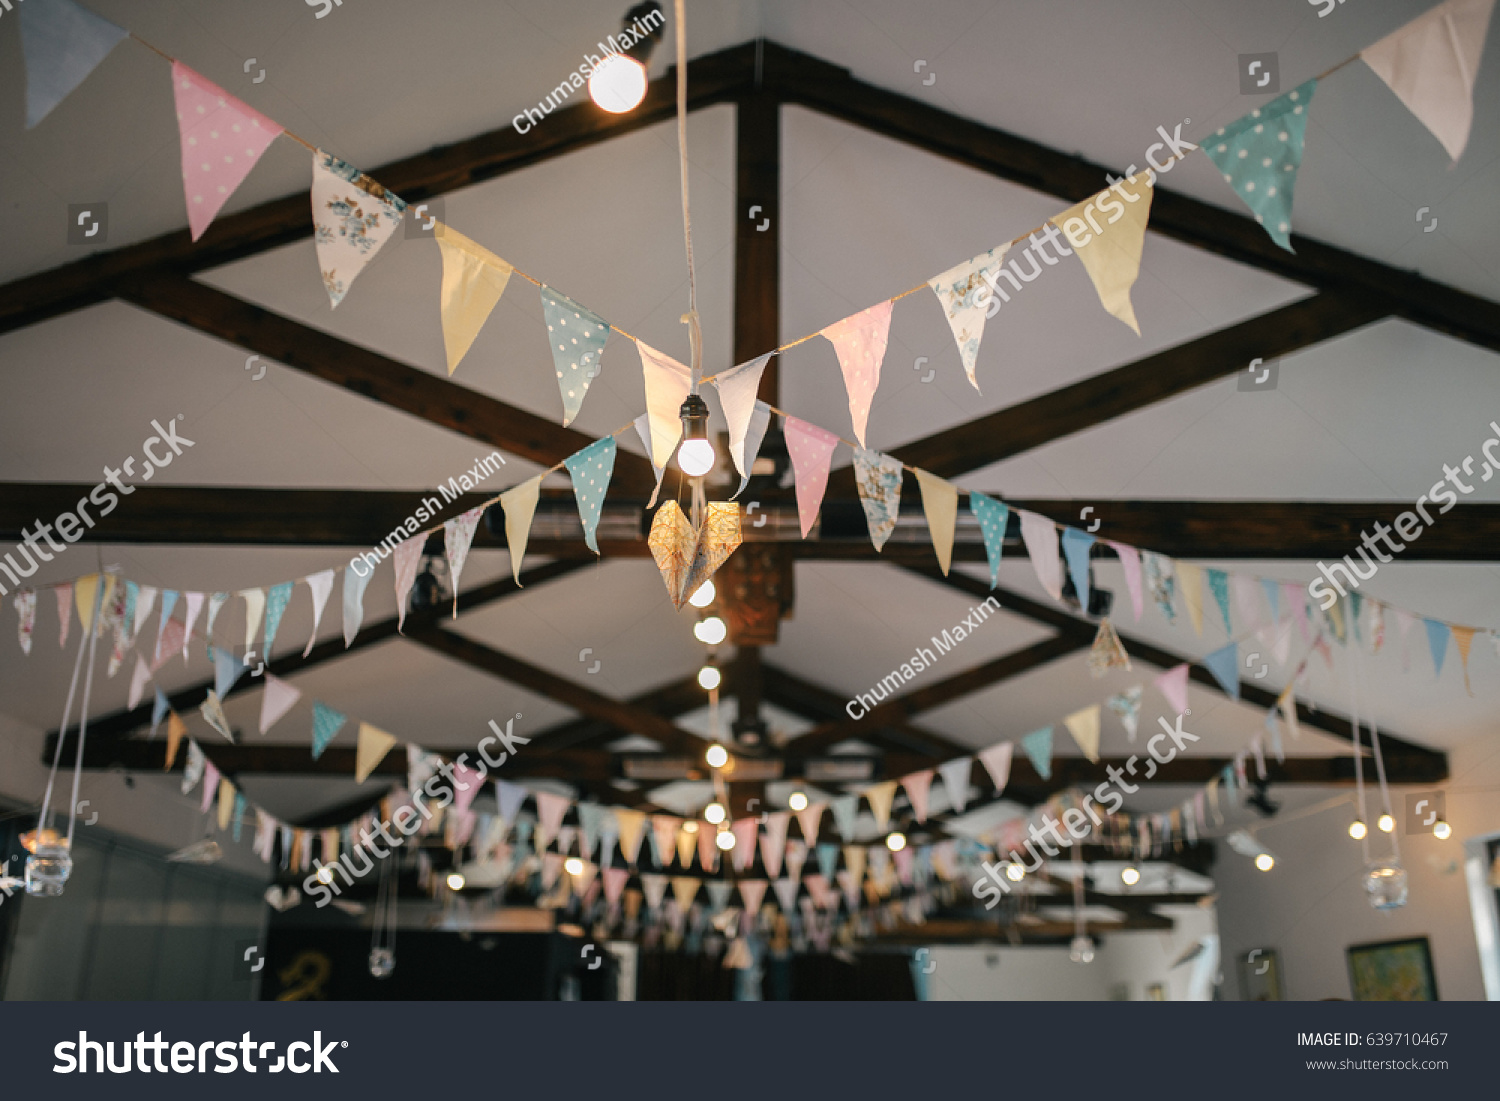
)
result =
(717, 756)
(1441, 830)
(725, 840)
(696, 456)
(1265, 862)
(710, 630)
(1130, 875)
(618, 84)
(456, 881)
(1015, 871)
(714, 813)
(704, 596)
(1385, 823)
(709, 678)
(1358, 830)
(797, 801)
(895, 841)
(573, 866)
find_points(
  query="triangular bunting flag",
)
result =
(1245, 598)
(1107, 652)
(372, 747)
(667, 386)
(860, 341)
(684, 890)
(654, 887)
(1038, 746)
(228, 669)
(955, 774)
(1190, 582)
(26, 618)
(1040, 536)
(213, 714)
(194, 607)
(808, 820)
(1218, 584)
(1127, 708)
(752, 893)
(519, 504)
(320, 585)
(159, 710)
(632, 827)
(1463, 638)
(965, 300)
(1224, 664)
(996, 761)
(773, 842)
(62, 44)
(1437, 642)
(353, 218)
(550, 809)
(1130, 564)
(1431, 64)
(1076, 546)
(940, 503)
(192, 772)
(744, 830)
(738, 388)
(1273, 598)
(508, 800)
(786, 894)
(1084, 726)
(354, 601)
(1161, 583)
(276, 701)
(255, 606)
(458, 535)
(176, 731)
(590, 470)
(1259, 155)
(614, 883)
(664, 838)
(855, 859)
(994, 516)
(643, 430)
(811, 449)
(221, 140)
(877, 477)
(138, 681)
(1111, 249)
(1173, 685)
(918, 785)
(881, 796)
(326, 724)
(474, 278)
(64, 595)
(406, 557)
(577, 338)
(276, 601)
(845, 811)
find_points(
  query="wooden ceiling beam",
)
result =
(813, 701)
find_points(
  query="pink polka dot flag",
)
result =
(222, 139)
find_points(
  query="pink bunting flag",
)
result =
(996, 761)
(277, 699)
(466, 785)
(458, 533)
(904, 866)
(1247, 597)
(860, 341)
(744, 831)
(918, 785)
(614, 883)
(550, 809)
(168, 643)
(811, 449)
(221, 140)
(210, 786)
(773, 842)
(752, 893)
(808, 820)
(664, 835)
(1130, 563)
(1173, 685)
(708, 849)
(64, 595)
(1294, 596)
(1040, 536)
(138, 683)
(407, 557)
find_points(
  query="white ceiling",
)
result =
(1371, 416)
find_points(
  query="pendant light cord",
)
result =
(695, 329)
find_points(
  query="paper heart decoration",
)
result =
(688, 558)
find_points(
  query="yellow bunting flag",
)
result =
(474, 278)
(519, 504)
(1108, 232)
(1084, 726)
(855, 859)
(374, 744)
(226, 803)
(940, 502)
(1463, 638)
(1288, 704)
(85, 589)
(176, 730)
(881, 796)
(1190, 579)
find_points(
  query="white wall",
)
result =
(1312, 905)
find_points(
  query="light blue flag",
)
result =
(276, 601)
(132, 594)
(509, 797)
(1218, 583)
(1273, 597)
(326, 725)
(1356, 604)
(828, 859)
(845, 810)
(577, 339)
(239, 815)
(590, 819)
(1224, 664)
(1038, 746)
(718, 893)
(590, 470)
(524, 829)
(1076, 545)
(159, 711)
(62, 44)
(228, 669)
(993, 517)
(1259, 155)
(1437, 639)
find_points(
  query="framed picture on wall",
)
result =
(1260, 975)
(1392, 971)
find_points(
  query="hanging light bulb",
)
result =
(49, 865)
(1130, 875)
(797, 800)
(573, 866)
(710, 630)
(1385, 823)
(382, 962)
(895, 841)
(704, 596)
(1441, 830)
(618, 84)
(717, 756)
(1265, 862)
(1081, 950)
(709, 678)
(1385, 882)
(696, 456)
(1015, 871)
(714, 813)
(1358, 830)
(725, 840)
(456, 881)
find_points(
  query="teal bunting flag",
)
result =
(1076, 546)
(577, 339)
(1259, 155)
(590, 470)
(276, 601)
(1038, 746)
(239, 815)
(828, 859)
(132, 594)
(845, 810)
(1224, 664)
(1218, 583)
(994, 516)
(1437, 640)
(159, 709)
(62, 44)
(326, 725)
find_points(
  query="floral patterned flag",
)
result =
(577, 337)
(407, 557)
(1161, 583)
(993, 516)
(878, 478)
(474, 278)
(1127, 708)
(221, 140)
(326, 724)
(353, 217)
(1259, 155)
(590, 470)
(458, 534)
(26, 623)
(962, 294)
(688, 558)
(1107, 652)
(811, 449)
(860, 341)
(213, 713)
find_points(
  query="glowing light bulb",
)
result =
(704, 596)
(1265, 862)
(1015, 872)
(717, 756)
(456, 881)
(690, 826)
(725, 840)
(896, 842)
(710, 631)
(1385, 823)
(709, 678)
(1358, 829)
(1441, 830)
(573, 866)
(618, 84)
(797, 801)
(1130, 875)
(714, 813)
(1081, 950)
(325, 875)
(696, 457)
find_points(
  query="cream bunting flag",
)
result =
(654, 887)
(373, 745)
(860, 341)
(667, 386)
(685, 843)
(194, 607)
(1463, 638)
(643, 430)
(880, 797)
(1431, 64)
(855, 857)
(684, 890)
(1040, 536)
(1111, 251)
(965, 299)
(407, 556)
(940, 502)
(138, 681)
(319, 585)
(738, 388)
(353, 217)
(221, 140)
(458, 534)
(664, 837)
(276, 701)
(255, 607)
(474, 278)
(550, 809)
(519, 504)
(632, 825)
(808, 820)
(955, 774)
(1084, 726)
(773, 842)
(226, 803)
(1190, 582)
(918, 785)
(354, 601)
(996, 761)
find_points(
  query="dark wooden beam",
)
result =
(813, 701)
(1425, 761)
(757, 239)
(669, 701)
(434, 399)
(715, 78)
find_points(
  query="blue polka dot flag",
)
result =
(1218, 583)
(276, 601)
(326, 725)
(577, 338)
(1259, 156)
(993, 517)
(590, 470)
